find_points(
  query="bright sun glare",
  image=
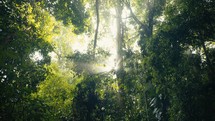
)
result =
(36, 56)
(106, 40)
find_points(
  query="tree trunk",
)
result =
(151, 8)
(119, 46)
(97, 26)
(119, 37)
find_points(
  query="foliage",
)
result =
(70, 11)
(44, 76)
(57, 92)
(19, 74)
(178, 73)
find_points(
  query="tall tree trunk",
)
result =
(151, 8)
(119, 37)
(97, 26)
(119, 46)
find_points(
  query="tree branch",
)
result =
(141, 24)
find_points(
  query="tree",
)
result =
(176, 72)
(97, 26)
(20, 73)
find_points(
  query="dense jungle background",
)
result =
(107, 60)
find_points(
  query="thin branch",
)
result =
(141, 24)
(132, 14)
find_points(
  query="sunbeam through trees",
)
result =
(107, 60)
